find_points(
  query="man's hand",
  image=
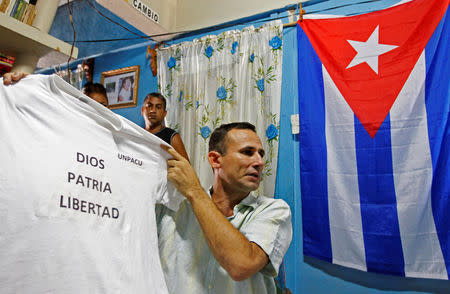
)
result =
(181, 173)
(12, 77)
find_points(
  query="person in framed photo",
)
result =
(126, 89)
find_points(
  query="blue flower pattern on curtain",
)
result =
(209, 51)
(233, 76)
(205, 132)
(233, 47)
(221, 93)
(172, 62)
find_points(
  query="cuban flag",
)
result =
(375, 139)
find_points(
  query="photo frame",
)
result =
(121, 86)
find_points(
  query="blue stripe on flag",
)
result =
(313, 157)
(437, 100)
(382, 240)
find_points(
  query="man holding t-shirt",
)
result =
(226, 240)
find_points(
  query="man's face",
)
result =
(100, 98)
(87, 73)
(242, 164)
(153, 110)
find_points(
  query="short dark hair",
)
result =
(217, 139)
(157, 95)
(90, 88)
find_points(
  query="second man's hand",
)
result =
(181, 173)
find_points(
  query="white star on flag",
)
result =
(369, 51)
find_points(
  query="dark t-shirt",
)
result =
(166, 134)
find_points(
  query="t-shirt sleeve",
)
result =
(271, 229)
(167, 194)
(170, 197)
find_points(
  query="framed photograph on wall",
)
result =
(121, 86)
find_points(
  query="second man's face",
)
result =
(154, 110)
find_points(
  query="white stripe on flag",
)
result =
(347, 241)
(413, 172)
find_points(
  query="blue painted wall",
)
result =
(90, 25)
(147, 82)
(303, 274)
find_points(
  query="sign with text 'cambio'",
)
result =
(145, 10)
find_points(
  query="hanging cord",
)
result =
(69, 6)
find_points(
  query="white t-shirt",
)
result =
(78, 186)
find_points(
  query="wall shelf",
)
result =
(27, 43)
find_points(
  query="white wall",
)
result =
(196, 14)
(180, 15)
(166, 10)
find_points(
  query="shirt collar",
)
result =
(251, 200)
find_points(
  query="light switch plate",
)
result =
(295, 124)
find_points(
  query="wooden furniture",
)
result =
(28, 43)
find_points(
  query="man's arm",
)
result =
(235, 253)
(178, 145)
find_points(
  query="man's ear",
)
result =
(214, 159)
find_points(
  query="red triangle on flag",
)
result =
(370, 56)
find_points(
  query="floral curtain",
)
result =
(234, 76)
